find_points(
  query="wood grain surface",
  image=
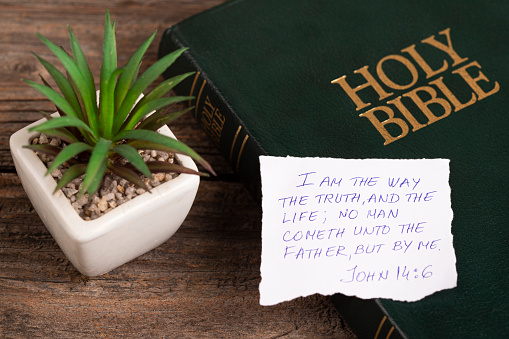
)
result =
(202, 283)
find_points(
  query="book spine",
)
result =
(214, 114)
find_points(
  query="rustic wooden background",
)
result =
(201, 283)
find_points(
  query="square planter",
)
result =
(97, 246)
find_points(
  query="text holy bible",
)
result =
(436, 92)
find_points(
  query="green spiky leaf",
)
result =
(139, 112)
(66, 121)
(63, 84)
(166, 167)
(62, 134)
(45, 148)
(107, 104)
(70, 174)
(150, 75)
(109, 73)
(96, 167)
(160, 90)
(87, 83)
(141, 138)
(131, 154)
(54, 97)
(131, 71)
(83, 83)
(68, 153)
(158, 119)
(129, 175)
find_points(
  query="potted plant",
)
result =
(103, 133)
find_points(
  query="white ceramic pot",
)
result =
(128, 231)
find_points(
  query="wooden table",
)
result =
(201, 283)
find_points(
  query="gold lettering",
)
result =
(472, 82)
(406, 113)
(446, 48)
(380, 125)
(452, 98)
(352, 92)
(217, 126)
(435, 101)
(424, 65)
(424, 105)
(212, 120)
(406, 63)
(207, 113)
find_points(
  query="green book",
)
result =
(371, 79)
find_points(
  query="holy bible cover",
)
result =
(371, 79)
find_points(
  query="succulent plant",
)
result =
(103, 130)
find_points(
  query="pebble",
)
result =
(43, 139)
(102, 205)
(115, 190)
(130, 191)
(57, 174)
(159, 177)
(109, 196)
(70, 192)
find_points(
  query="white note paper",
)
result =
(373, 228)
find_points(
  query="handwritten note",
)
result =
(373, 228)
